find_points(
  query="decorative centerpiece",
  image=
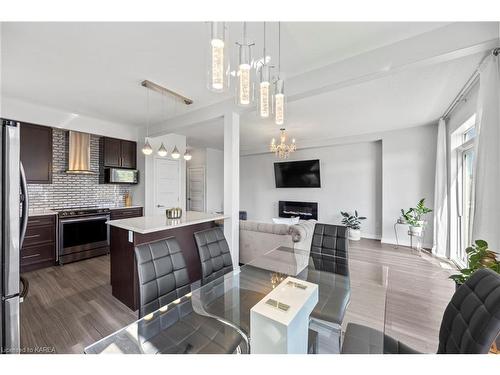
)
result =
(174, 213)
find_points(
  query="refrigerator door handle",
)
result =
(25, 205)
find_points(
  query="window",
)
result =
(465, 202)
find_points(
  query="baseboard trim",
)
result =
(404, 243)
(371, 236)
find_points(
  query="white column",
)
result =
(232, 182)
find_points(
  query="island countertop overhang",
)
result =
(156, 223)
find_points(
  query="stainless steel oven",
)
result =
(83, 237)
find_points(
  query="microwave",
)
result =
(121, 176)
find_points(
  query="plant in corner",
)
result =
(353, 222)
(478, 256)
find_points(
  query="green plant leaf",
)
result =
(481, 243)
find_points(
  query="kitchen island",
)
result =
(126, 234)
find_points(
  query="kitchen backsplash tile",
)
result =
(74, 190)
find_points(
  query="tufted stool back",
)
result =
(163, 275)
(214, 254)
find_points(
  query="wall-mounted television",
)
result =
(297, 174)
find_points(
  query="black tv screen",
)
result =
(297, 174)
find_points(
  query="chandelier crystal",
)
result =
(283, 150)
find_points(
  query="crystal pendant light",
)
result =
(244, 87)
(187, 155)
(282, 150)
(162, 151)
(279, 88)
(175, 153)
(218, 66)
(264, 85)
(147, 149)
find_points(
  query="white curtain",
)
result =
(486, 218)
(440, 242)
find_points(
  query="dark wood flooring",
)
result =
(70, 307)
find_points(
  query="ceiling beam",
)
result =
(450, 42)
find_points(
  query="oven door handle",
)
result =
(85, 218)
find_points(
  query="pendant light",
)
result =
(244, 87)
(175, 153)
(162, 151)
(147, 149)
(264, 84)
(187, 154)
(279, 88)
(218, 67)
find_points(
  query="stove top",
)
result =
(81, 211)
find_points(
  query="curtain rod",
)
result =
(468, 85)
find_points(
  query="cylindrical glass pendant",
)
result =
(244, 86)
(279, 102)
(264, 108)
(217, 77)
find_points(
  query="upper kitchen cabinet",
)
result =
(36, 153)
(119, 153)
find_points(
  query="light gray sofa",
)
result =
(258, 238)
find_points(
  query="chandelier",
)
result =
(283, 150)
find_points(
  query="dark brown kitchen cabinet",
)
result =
(39, 246)
(126, 213)
(119, 153)
(128, 153)
(36, 152)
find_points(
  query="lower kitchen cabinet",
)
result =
(126, 213)
(39, 246)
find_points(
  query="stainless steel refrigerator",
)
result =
(13, 221)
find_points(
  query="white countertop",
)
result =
(150, 224)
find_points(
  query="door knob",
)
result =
(159, 206)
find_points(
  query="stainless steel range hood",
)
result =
(79, 153)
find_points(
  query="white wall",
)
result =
(378, 175)
(20, 110)
(408, 169)
(350, 179)
(215, 180)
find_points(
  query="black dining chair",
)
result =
(470, 324)
(329, 251)
(163, 279)
(214, 253)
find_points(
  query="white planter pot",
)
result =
(354, 234)
(415, 231)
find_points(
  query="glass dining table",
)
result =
(349, 292)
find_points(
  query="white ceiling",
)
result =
(95, 69)
(411, 98)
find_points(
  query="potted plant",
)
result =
(414, 217)
(478, 256)
(353, 222)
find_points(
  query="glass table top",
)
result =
(215, 317)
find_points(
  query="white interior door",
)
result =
(196, 189)
(167, 185)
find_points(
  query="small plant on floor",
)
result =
(478, 256)
(353, 222)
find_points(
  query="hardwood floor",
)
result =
(418, 292)
(70, 307)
